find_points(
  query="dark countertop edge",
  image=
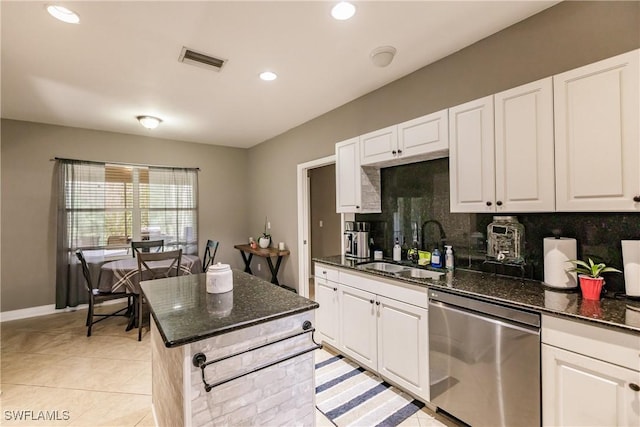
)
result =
(431, 284)
(180, 342)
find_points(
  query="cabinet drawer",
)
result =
(414, 295)
(322, 273)
(601, 343)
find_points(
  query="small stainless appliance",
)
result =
(356, 239)
(505, 239)
(484, 361)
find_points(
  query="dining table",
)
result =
(122, 274)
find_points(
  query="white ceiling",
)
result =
(121, 60)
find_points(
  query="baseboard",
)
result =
(43, 310)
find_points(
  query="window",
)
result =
(103, 207)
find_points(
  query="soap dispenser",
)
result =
(397, 251)
(448, 257)
(436, 258)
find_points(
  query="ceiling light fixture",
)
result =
(268, 76)
(382, 56)
(343, 11)
(63, 14)
(149, 122)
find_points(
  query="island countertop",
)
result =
(528, 294)
(184, 312)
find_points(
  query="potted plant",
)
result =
(589, 275)
(265, 239)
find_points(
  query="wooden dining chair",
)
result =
(209, 257)
(146, 246)
(97, 297)
(152, 266)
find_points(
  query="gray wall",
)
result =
(563, 37)
(325, 240)
(28, 203)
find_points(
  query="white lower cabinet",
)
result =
(590, 375)
(326, 295)
(380, 333)
(403, 351)
(358, 326)
(583, 391)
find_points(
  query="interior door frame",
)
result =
(304, 214)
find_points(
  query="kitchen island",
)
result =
(243, 357)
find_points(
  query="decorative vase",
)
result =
(591, 287)
(264, 242)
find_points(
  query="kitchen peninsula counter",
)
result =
(243, 357)
(523, 293)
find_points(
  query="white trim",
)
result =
(44, 310)
(303, 220)
(25, 313)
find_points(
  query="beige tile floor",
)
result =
(48, 367)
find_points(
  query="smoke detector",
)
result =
(199, 59)
(382, 56)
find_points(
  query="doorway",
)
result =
(319, 226)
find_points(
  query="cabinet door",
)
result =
(403, 345)
(326, 295)
(580, 391)
(423, 135)
(378, 146)
(358, 326)
(597, 129)
(347, 176)
(524, 150)
(471, 162)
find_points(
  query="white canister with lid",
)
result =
(219, 278)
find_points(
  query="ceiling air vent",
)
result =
(192, 57)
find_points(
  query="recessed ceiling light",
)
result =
(63, 14)
(343, 11)
(268, 76)
(149, 122)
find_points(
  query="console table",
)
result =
(267, 253)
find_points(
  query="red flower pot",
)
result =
(591, 287)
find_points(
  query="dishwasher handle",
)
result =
(492, 309)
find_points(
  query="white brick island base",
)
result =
(282, 394)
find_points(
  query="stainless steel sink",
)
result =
(402, 271)
(419, 273)
(385, 266)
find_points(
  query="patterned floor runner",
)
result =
(351, 396)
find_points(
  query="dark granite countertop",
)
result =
(618, 313)
(185, 312)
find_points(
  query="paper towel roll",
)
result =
(631, 260)
(557, 251)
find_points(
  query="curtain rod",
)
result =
(122, 163)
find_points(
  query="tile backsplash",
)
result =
(418, 193)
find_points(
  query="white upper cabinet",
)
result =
(471, 156)
(597, 131)
(357, 188)
(501, 151)
(347, 176)
(415, 140)
(379, 145)
(524, 148)
(424, 135)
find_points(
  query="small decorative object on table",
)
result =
(265, 240)
(589, 276)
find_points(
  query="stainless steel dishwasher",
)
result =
(484, 361)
